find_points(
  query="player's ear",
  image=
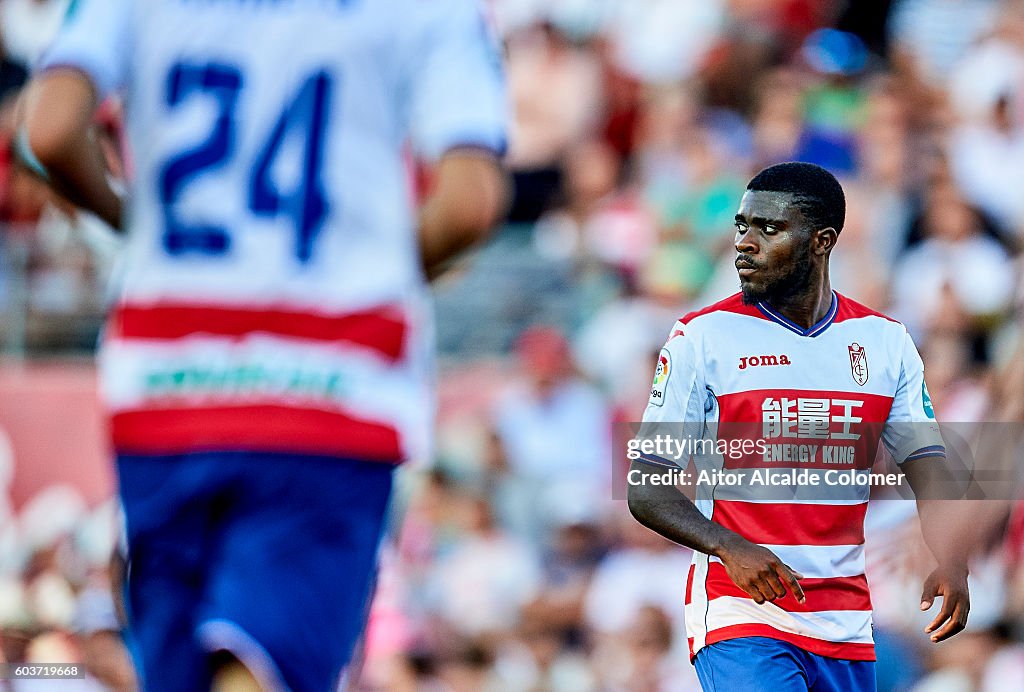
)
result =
(824, 240)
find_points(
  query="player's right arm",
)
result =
(57, 142)
(459, 114)
(55, 136)
(666, 511)
(677, 407)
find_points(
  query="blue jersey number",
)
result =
(306, 204)
(305, 118)
(222, 83)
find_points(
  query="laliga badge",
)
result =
(858, 363)
(661, 375)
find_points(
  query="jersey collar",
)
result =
(814, 330)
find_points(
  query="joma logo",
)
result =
(756, 361)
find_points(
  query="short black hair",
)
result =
(816, 191)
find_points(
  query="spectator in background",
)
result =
(99, 637)
(538, 659)
(930, 36)
(667, 116)
(956, 279)
(861, 268)
(479, 586)
(600, 219)
(570, 559)
(555, 91)
(694, 220)
(622, 365)
(664, 41)
(777, 118)
(986, 147)
(467, 666)
(652, 663)
(641, 571)
(833, 100)
(883, 185)
(555, 429)
(699, 211)
(953, 381)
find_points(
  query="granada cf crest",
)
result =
(858, 363)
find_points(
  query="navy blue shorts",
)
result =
(269, 557)
(752, 664)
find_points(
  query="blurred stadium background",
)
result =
(636, 126)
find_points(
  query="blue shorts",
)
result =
(269, 557)
(751, 664)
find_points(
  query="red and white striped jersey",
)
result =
(818, 400)
(270, 296)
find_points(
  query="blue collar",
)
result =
(814, 330)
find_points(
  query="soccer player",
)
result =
(267, 363)
(776, 597)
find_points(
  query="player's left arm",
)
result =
(913, 437)
(467, 201)
(942, 521)
(55, 137)
(458, 109)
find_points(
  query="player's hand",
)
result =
(759, 571)
(951, 584)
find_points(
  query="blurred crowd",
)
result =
(636, 126)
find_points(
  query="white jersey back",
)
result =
(271, 295)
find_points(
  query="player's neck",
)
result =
(808, 307)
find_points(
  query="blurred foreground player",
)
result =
(268, 360)
(776, 598)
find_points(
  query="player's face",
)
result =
(773, 246)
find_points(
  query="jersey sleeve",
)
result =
(457, 90)
(911, 431)
(677, 405)
(94, 39)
